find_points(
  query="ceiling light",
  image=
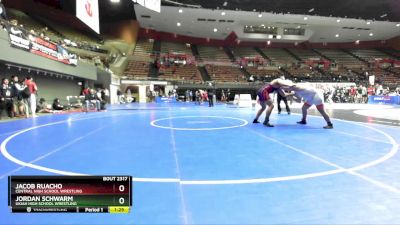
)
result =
(215, 30)
(311, 10)
(357, 42)
(337, 35)
(279, 36)
(259, 15)
(298, 27)
(398, 25)
(180, 10)
(225, 3)
(223, 13)
(368, 22)
(371, 34)
(268, 42)
(178, 24)
(270, 36)
(115, 1)
(262, 25)
(338, 20)
(305, 18)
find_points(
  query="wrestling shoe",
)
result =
(256, 121)
(267, 124)
(329, 126)
(302, 122)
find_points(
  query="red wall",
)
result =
(394, 43)
(231, 40)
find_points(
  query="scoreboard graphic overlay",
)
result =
(70, 194)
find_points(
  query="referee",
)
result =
(210, 98)
(284, 99)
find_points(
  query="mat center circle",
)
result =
(199, 123)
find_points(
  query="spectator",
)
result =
(86, 91)
(57, 105)
(3, 13)
(92, 98)
(371, 91)
(106, 95)
(99, 93)
(197, 97)
(31, 85)
(6, 98)
(103, 98)
(19, 105)
(223, 97)
(364, 94)
(187, 96)
(43, 107)
(354, 93)
(251, 79)
(119, 95)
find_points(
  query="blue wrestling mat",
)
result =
(198, 165)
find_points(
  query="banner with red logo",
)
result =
(21, 39)
(88, 12)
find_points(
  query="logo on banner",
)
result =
(88, 7)
(88, 12)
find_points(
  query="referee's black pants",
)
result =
(284, 99)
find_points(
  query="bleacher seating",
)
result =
(341, 58)
(344, 74)
(384, 77)
(263, 72)
(396, 70)
(393, 52)
(279, 56)
(225, 73)
(299, 71)
(143, 50)
(305, 54)
(307, 74)
(213, 54)
(31, 24)
(181, 73)
(175, 48)
(246, 52)
(137, 69)
(70, 33)
(370, 54)
(391, 80)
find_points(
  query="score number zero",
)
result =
(121, 188)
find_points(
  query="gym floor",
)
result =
(198, 165)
